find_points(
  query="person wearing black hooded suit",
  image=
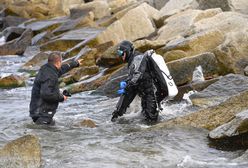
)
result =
(139, 81)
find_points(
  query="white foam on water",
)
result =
(2, 40)
(198, 75)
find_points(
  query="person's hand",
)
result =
(121, 91)
(80, 61)
(123, 84)
(65, 97)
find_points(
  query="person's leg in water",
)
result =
(44, 121)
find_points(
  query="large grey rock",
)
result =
(18, 45)
(35, 62)
(10, 21)
(12, 81)
(175, 6)
(217, 115)
(72, 38)
(207, 4)
(22, 152)
(180, 25)
(226, 5)
(112, 84)
(227, 87)
(233, 53)
(235, 127)
(198, 43)
(12, 33)
(182, 70)
(127, 28)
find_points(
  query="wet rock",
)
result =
(127, 28)
(214, 116)
(35, 62)
(182, 70)
(12, 33)
(41, 38)
(87, 123)
(227, 87)
(246, 71)
(158, 4)
(109, 58)
(12, 81)
(18, 45)
(78, 18)
(180, 25)
(45, 25)
(71, 39)
(232, 54)
(22, 152)
(193, 87)
(10, 21)
(111, 86)
(176, 6)
(198, 43)
(88, 84)
(236, 126)
(80, 73)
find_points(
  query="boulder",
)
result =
(236, 126)
(246, 71)
(226, 22)
(80, 73)
(11, 21)
(88, 84)
(12, 81)
(144, 45)
(182, 70)
(12, 33)
(173, 55)
(240, 6)
(198, 43)
(127, 28)
(45, 25)
(176, 6)
(226, 5)
(78, 18)
(158, 4)
(111, 86)
(180, 25)
(18, 45)
(71, 39)
(99, 8)
(109, 58)
(87, 123)
(42, 38)
(207, 4)
(35, 62)
(214, 116)
(233, 53)
(22, 152)
(227, 87)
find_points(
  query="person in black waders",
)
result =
(139, 81)
(46, 95)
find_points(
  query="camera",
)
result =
(66, 93)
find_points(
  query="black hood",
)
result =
(128, 48)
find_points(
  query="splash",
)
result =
(198, 75)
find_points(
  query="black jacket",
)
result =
(45, 92)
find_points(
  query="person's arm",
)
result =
(68, 66)
(50, 92)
